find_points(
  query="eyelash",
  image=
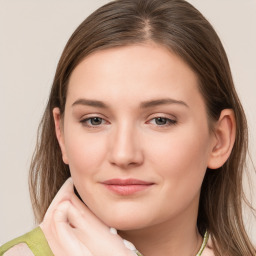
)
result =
(169, 122)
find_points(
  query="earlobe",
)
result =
(59, 133)
(225, 132)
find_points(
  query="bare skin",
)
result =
(72, 229)
(135, 113)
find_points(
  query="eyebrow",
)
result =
(92, 103)
(165, 101)
(144, 104)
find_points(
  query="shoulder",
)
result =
(30, 244)
(208, 250)
(21, 249)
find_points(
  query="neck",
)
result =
(175, 237)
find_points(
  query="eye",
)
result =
(163, 121)
(93, 121)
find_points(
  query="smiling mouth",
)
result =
(127, 187)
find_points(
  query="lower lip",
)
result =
(126, 190)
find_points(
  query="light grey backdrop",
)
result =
(32, 36)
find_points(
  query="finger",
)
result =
(87, 215)
(69, 242)
(86, 234)
(66, 216)
(64, 193)
(67, 211)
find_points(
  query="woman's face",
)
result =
(136, 136)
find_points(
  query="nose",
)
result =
(125, 148)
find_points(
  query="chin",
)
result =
(126, 222)
(124, 225)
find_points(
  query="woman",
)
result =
(144, 117)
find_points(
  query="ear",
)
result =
(60, 133)
(225, 132)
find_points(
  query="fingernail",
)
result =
(113, 231)
(129, 245)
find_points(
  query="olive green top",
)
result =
(35, 240)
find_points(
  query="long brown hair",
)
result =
(181, 28)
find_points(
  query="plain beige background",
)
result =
(32, 36)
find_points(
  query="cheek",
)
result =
(180, 160)
(85, 152)
(182, 156)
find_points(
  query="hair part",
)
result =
(178, 26)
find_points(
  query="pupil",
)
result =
(96, 121)
(160, 120)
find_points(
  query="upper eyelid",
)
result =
(92, 115)
(167, 116)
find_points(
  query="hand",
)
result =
(72, 229)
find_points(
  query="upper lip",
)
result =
(125, 182)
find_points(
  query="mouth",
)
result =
(127, 187)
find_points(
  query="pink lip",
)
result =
(127, 186)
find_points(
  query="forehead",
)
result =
(130, 73)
